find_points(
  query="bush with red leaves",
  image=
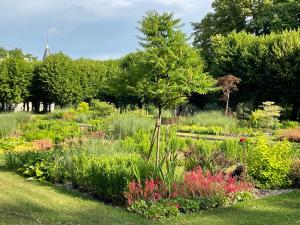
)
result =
(153, 190)
(199, 184)
(196, 184)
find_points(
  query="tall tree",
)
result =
(255, 16)
(56, 81)
(15, 80)
(170, 70)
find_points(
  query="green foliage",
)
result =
(139, 142)
(244, 110)
(104, 175)
(157, 210)
(286, 124)
(28, 163)
(54, 81)
(192, 205)
(267, 64)
(15, 80)
(259, 17)
(210, 118)
(269, 164)
(7, 127)
(9, 122)
(267, 117)
(169, 70)
(127, 124)
(213, 130)
(83, 107)
(102, 109)
(56, 130)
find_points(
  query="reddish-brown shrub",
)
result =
(153, 190)
(43, 144)
(200, 184)
(291, 135)
(195, 184)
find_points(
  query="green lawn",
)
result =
(24, 202)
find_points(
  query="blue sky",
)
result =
(98, 29)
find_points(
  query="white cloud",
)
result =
(95, 9)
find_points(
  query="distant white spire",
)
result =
(47, 49)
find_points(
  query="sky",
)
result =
(97, 29)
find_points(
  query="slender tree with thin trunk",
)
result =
(170, 70)
(228, 84)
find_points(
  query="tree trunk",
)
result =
(295, 110)
(227, 106)
(152, 141)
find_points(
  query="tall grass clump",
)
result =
(7, 126)
(211, 118)
(9, 122)
(127, 124)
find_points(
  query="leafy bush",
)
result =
(216, 161)
(289, 124)
(243, 110)
(267, 116)
(138, 142)
(83, 107)
(210, 119)
(198, 191)
(56, 130)
(154, 210)
(24, 161)
(199, 184)
(269, 164)
(102, 109)
(100, 172)
(291, 135)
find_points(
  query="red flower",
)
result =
(243, 139)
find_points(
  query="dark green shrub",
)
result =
(244, 110)
(31, 164)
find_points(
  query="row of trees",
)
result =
(58, 79)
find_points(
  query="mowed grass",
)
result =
(24, 202)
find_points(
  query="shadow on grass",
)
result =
(58, 205)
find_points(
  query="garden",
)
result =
(169, 131)
(104, 152)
